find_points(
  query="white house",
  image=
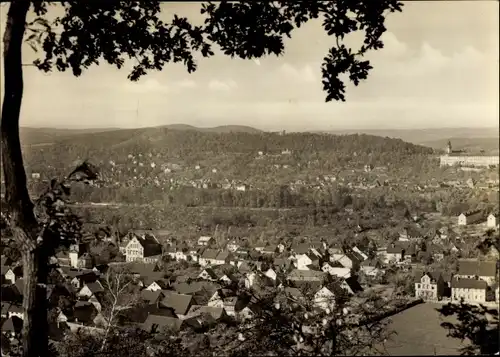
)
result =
(477, 269)
(216, 300)
(470, 217)
(429, 287)
(10, 276)
(324, 299)
(492, 221)
(270, 273)
(146, 249)
(90, 289)
(205, 241)
(180, 255)
(344, 260)
(336, 271)
(471, 290)
(249, 280)
(370, 270)
(153, 286)
(303, 260)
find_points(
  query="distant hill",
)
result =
(217, 129)
(425, 136)
(205, 146)
(47, 136)
(41, 136)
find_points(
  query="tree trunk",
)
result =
(22, 218)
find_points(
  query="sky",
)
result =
(439, 68)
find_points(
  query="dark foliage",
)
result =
(476, 325)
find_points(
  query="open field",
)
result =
(419, 333)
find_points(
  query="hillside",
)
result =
(46, 136)
(217, 129)
(41, 136)
(187, 142)
(233, 154)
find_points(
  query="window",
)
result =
(418, 286)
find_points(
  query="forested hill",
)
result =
(181, 143)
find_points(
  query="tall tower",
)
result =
(448, 148)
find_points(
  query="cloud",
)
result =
(303, 74)
(187, 83)
(218, 85)
(392, 46)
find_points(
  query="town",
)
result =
(186, 283)
(242, 178)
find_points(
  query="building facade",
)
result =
(459, 158)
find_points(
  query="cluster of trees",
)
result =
(163, 143)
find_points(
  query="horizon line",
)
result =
(252, 127)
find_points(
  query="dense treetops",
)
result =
(118, 144)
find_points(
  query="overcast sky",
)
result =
(439, 68)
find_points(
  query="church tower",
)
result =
(448, 148)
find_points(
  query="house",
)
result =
(11, 275)
(360, 253)
(12, 327)
(232, 246)
(208, 257)
(90, 289)
(343, 259)
(399, 252)
(76, 251)
(222, 257)
(476, 269)
(470, 217)
(204, 315)
(205, 241)
(351, 285)
(85, 261)
(12, 309)
(324, 299)
(492, 221)
(271, 273)
(81, 278)
(84, 313)
(152, 297)
(369, 269)
(270, 249)
(158, 323)
(340, 272)
(471, 290)
(156, 285)
(145, 248)
(208, 274)
(258, 278)
(181, 253)
(430, 286)
(436, 251)
(312, 277)
(304, 260)
(180, 303)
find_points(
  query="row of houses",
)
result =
(472, 282)
(477, 216)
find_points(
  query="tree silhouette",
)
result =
(477, 325)
(90, 32)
